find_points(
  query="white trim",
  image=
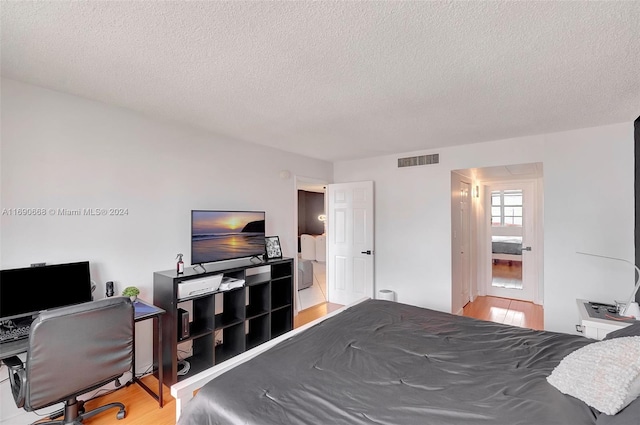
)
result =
(183, 391)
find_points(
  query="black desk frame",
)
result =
(13, 348)
(156, 315)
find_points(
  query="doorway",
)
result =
(511, 228)
(311, 235)
(506, 249)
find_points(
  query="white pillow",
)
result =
(605, 375)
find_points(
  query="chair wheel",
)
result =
(121, 414)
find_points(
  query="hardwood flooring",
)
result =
(503, 310)
(312, 313)
(142, 409)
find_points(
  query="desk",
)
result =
(13, 348)
(598, 328)
(143, 311)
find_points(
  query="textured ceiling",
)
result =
(339, 80)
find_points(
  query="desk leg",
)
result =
(133, 356)
(160, 366)
(157, 321)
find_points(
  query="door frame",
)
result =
(535, 239)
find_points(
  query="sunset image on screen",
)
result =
(223, 235)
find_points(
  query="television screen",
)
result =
(226, 235)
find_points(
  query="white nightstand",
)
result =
(596, 328)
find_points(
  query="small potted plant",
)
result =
(131, 292)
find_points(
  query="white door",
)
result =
(460, 244)
(350, 249)
(511, 222)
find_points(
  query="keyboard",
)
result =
(18, 332)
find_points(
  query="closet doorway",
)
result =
(506, 208)
(311, 232)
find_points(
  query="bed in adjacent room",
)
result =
(507, 248)
(380, 362)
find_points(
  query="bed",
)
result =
(380, 362)
(507, 248)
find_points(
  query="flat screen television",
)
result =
(226, 235)
(26, 291)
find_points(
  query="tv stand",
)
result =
(204, 270)
(222, 324)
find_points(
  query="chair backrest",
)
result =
(76, 349)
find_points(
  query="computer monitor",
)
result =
(25, 292)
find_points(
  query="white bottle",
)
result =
(180, 265)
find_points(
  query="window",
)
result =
(506, 208)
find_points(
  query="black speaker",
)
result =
(109, 289)
(183, 324)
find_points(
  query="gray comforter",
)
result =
(381, 362)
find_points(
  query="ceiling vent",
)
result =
(412, 161)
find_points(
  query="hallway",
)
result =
(317, 292)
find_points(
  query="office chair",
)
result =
(73, 350)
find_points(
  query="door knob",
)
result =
(526, 248)
(368, 252)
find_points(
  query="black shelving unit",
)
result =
(224, 324)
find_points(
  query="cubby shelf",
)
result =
(223, 324)
(196, 330)
(197, 365)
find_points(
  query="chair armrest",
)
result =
(17, 379)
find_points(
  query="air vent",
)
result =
(412, 161)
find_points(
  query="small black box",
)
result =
(183, 324)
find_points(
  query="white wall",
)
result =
(62, 151)
(588, 205)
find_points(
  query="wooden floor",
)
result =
(503, 310)
(142, 409)
(312, 313)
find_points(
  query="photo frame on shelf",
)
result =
(272, 245)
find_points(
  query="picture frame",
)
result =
(272, 247)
